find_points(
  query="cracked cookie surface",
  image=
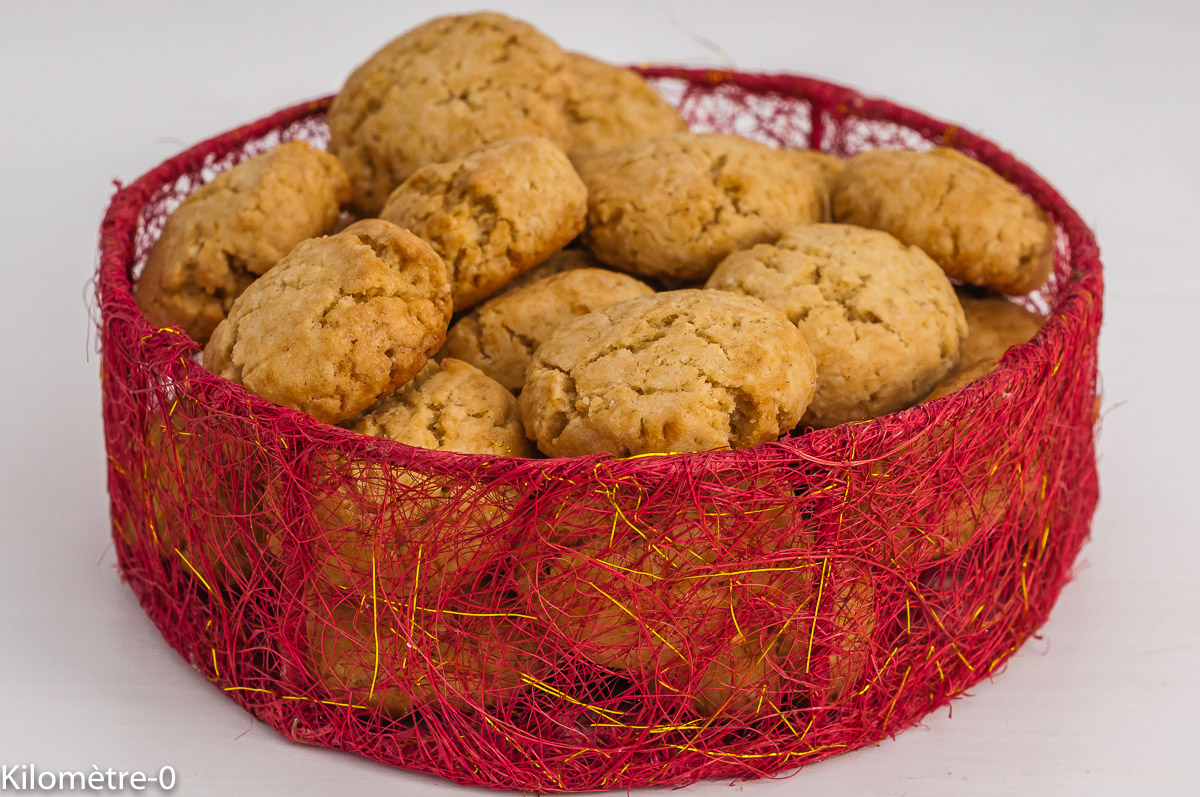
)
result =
(450, 406)
(339, 323)
(233, 229)
(880, 317)
(494, 213)
(676, 205)
(687, 370)
(980, 228)
(441, 89)
(614, 106)
(500, 336)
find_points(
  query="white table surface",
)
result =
(1099, 96)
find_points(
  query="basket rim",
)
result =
(1085, 285)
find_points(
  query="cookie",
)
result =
(977, 226)
(993, 327)
(235, 228)
(916, 534)
(680, 371)
(395, 657)
(880, 317)
(191, 514)
(962, 377)
(755, 670)
(500, 336)
(399, 549)
(644, 607)
(339, 323)
(640, 590)
(450, 406)
(442, 89)
(567, 259)
(824, 168)
(493, 213)
(383, 529)
(614, 106)
(676, 205)
(677, 599)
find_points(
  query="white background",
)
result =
(1098, 96)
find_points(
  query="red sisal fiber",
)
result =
(589, 623)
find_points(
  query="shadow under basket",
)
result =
(589, 623)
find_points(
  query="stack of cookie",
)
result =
(512, 250)
(586, 247)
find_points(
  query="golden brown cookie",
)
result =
(451, 406)
(397, 656)
(679, 371)
(188, 511)
(233, 229)
(493, 213)
(500, 336)
(566, 259)
(615, 106)
(979, 227)
(442, 89)
(880, 317)
(654, 607)
(824, 168)
(824, 165)
(926, 531)
(993, 327)
(386, 528)
(407, 553)
(339, 323)
(679, 599)
(962, 377)
(676, 205)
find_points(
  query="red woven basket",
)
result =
(484, 619)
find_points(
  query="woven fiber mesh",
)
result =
(590, 623)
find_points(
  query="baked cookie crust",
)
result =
(500, 336)
(234, 229)
(980, 228)
(687, 370)
(450, 406)
(880, 317)
(442, 89)
(339, 323)
(494, 213)
(676, 205)
(614, 106)
(994, 326)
